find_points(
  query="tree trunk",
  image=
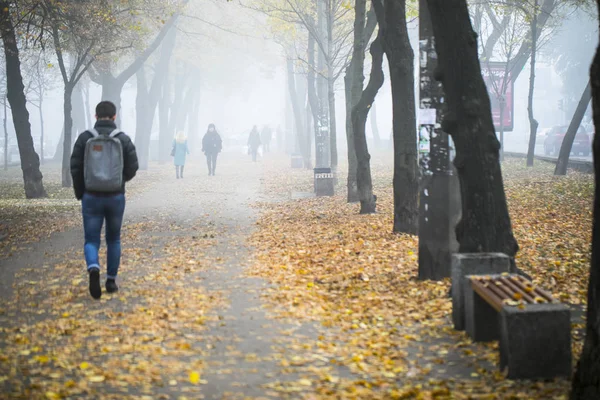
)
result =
(111, 91)
(485, 225)
(5, 124)
(67, 142)
(164, 138)
(351, 183)
(297, 111)
(360, 113)
(313, 99)
(374, 128)
(331, 88)
(177, 113)
(41, 111)
(567, 144)
(30, 162)
(57, 158)
(396, 46)
(502, 105)
(332, 121)
(89, 121)
(586, 381)
(518, 62)
(153, 96)
(356, 80)
(533, 124)
(142, 116)
(79, 122)
(194, 122)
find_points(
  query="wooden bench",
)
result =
(533, 328)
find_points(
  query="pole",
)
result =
(435, 204)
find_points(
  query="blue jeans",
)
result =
(95, 210)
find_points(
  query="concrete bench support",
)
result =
(535, 342)
(472, 264)
(482, 321)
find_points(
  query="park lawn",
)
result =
(23, 222)
(348, 272)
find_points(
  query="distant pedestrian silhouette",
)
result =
(254, 143)
(179, 153)
(211, 146)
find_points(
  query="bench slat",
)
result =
(491, 297)
(497, 290)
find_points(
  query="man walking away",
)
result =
(211, 146)
(103, 159)
(254, 143)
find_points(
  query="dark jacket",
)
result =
(254, 139)
(130, 160)
(212, 143)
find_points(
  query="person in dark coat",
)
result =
(102, 207)
(211, 146)
(254, 143)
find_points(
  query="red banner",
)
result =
(500, 85)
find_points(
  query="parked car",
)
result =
(554, 138)
(540, 138)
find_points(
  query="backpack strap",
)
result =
(94, 132)
(114, 133)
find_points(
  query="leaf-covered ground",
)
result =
(346, 317)
(23, 222)
(355, 278)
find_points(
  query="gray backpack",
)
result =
(103, 162)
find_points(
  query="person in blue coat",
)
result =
(179, 153)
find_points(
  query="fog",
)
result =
(239, 62)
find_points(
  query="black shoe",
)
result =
(111, 286)
(95, 289)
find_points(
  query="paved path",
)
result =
(236, 342)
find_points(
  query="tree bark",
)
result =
(351, 100)
(313, 98)
(331, 88)
(332, 121)
(498, 30)
(112, 86)
(164, 138)
(297, 111)
(67, 142)
(41, 111)
(30, 162)
(533, 124)
(79, 122)
(567, 144)
(374, 127)
(357, 78)
(5, 125)
(518, 62)
(586, 381)
(194, 123)
(485, 225)
(142, 116)
(89, 121)
(351, 182)
(360, 113)
(152, 96)
(396, 45)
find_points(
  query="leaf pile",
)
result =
(393, 334)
